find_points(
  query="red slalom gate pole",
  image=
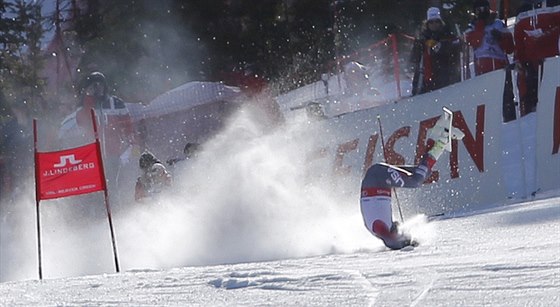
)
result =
(37, 198)
(105, 193)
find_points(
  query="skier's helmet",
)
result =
(158, 170)
(147, 159)
(95, 83)
(190, 149)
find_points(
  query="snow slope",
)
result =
(504, 257)
(249, 224)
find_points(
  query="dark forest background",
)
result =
(146, 47)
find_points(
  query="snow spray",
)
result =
(249, 195)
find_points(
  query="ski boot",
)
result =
(442, 133)
(400, 242)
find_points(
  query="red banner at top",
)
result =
(69, 172)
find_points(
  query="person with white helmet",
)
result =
(435, 55)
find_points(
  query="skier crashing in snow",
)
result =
(154, 178)
(375, 201)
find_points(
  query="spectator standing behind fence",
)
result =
(536, 32)
(435, 55)
(491, 42)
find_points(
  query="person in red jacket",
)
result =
(536, 33)
(490, 39)
(491, 42)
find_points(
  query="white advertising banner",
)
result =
(548, 127)
(463, 180)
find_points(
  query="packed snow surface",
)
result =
(248, 223)
(503, 257)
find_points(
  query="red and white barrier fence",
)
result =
(475, 174)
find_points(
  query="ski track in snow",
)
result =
(423, 294)
(461, 267)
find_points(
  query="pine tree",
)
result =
(20, 53)
(138, 45)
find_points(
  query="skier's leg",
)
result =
(376, 211)
(439, 140)
(375, 202)
(375, 205)
(382, 175)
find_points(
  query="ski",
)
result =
(449, 115)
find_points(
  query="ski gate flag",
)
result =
(69, 172)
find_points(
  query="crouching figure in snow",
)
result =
(375, 201)
(154, 178)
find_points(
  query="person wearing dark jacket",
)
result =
(435, 55)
